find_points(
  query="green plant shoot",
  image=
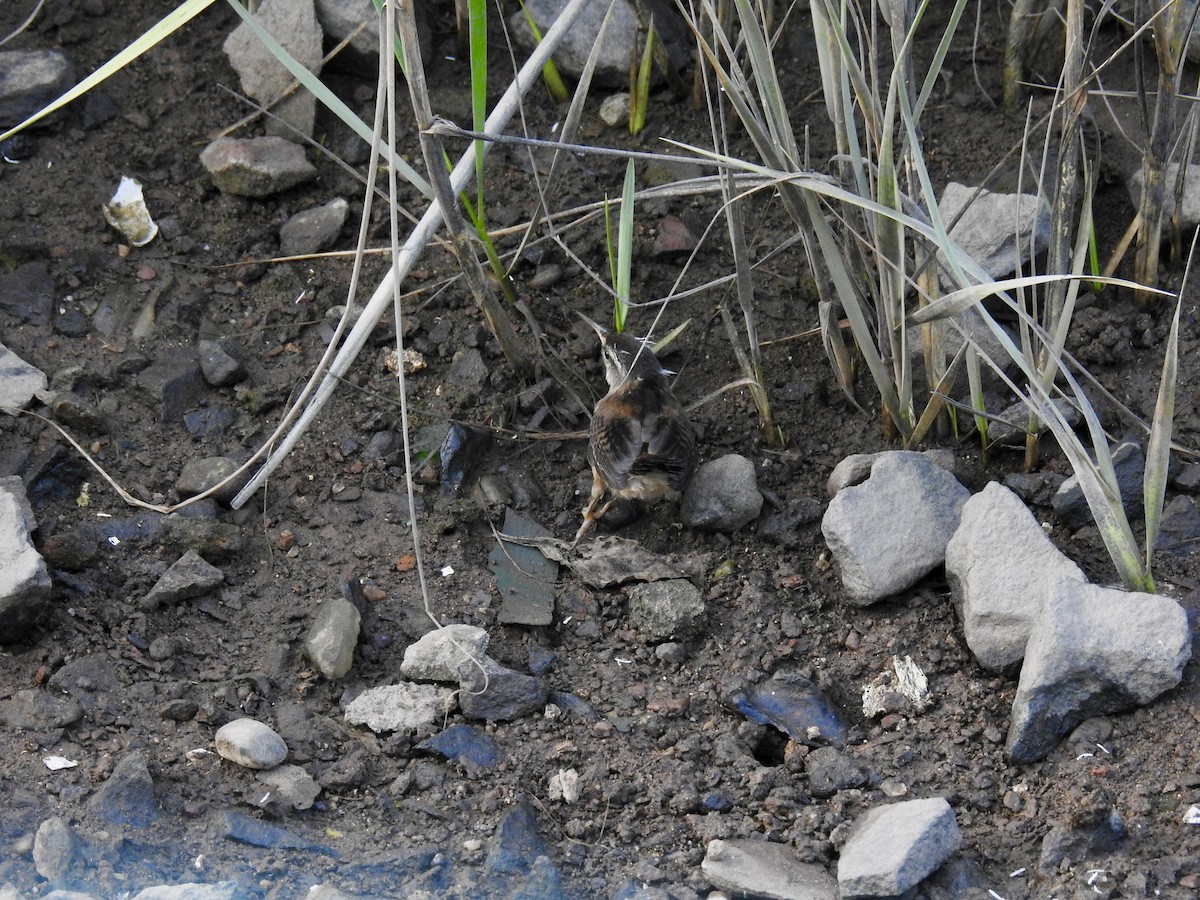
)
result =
(624, 265)
(554, 83)
(639, 94)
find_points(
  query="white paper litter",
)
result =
(127, 213)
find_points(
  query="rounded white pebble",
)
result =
(250, 743)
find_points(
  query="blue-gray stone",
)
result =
(461, 450)
(796, 706)
(1128, 464)
(516, 843)
(467, 744)
(239, 827)
(127, 797)
(524, 577)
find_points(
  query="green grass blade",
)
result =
(958, 301)
(1158, 448)
(166, 26)
(624, 250)
(477, 32)
(978, 401)
(550, 76)
(933, 76)
(771, 96)
(639, 99)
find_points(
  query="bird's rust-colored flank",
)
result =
(641, 445)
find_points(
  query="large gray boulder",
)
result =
(895, 847)
(1093, 651)
(1001, 566)
(24, 581)
(889, 532)
(293, 24)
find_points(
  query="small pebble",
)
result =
(250, 743)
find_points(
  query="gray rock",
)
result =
(494, 693)
(24, 580)
(292, 784)
(15, 485)
(30, 79)
(200, 475)
(722, 495)
(76, 413)
(671, 610)
(215, 541)
(34, 710)
(172, 385)
(250, 743)
(524, 577)
(293, 24)
(333, 636)
(341, 18)
(218, 366)
(830, 770)
(998, 231)
(468, 372)
(856, 468)
(1010, 427)
(327, 891)
(890, 531)
(1001, 567)
(1035, 488)
(28, 293)
(612, 67)
(893, 848)
(439, 654)
(614, 109)
(180, 709)
(127, 797)
(313, 230)
(1179, 530)
(90, 680)
(516, 843)
(954, 330)
(620, 37)
(765, 869)
(544, 882)
(221, 890)
(1189, 213)
(1095, 835)
(1188, 478)
(1091, 652)
(400, 707)
(188, 578)
(19, 382)
(1129, 465)
(256, 167)
(54, 848)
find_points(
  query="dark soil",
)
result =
(664, 737)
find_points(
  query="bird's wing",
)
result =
(615, 441)
(670, 446)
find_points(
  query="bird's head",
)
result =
(625, 356)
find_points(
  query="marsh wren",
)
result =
(640, 444)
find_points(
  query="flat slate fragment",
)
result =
(524, 576)
(764, 869)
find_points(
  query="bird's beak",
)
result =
(596, 326)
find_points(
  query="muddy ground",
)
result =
(664, 741)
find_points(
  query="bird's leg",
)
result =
(589, 514)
